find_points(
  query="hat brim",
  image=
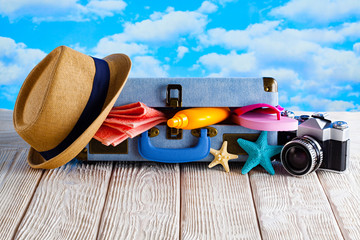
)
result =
(119, 65)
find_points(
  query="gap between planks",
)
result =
(67, 203)
(143, 202)
(215, 204)
(18, 185)
(343, 192)
(28, 204)
(292, 208)
(106, 198)
(256, 211)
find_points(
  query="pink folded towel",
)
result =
(132, 110)
(128, 121)
(107, 135)
(135, 121)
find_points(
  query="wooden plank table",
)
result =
(132, 200)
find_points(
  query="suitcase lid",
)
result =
(199, 92)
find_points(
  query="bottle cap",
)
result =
(178, 121)
(173, 122)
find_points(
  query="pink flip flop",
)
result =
(259, 117)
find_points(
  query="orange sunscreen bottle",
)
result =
(198, 117)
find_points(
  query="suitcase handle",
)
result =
(174, 155)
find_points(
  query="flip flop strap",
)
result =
(270, 109)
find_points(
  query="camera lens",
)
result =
(298, 158)
(301, 156)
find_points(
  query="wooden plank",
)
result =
(12, 139)
(6, 120)
(143, 202)
(216, 204)
(17, 185)
(343, 190)
(8, 135)
(67, 203)
(297, 208)
(292, 207)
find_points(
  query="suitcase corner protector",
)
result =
(270, 84)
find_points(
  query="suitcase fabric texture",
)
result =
(171, 95)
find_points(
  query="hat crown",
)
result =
(55, 92)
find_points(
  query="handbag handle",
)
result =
(174, 155)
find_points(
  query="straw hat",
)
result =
(64, 101)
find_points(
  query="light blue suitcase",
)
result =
(173, 94)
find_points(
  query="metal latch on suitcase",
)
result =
(174, 102)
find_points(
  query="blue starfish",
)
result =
(259, 153)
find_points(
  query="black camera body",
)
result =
(318, 143)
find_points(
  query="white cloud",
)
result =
(238, 39)
(231, 64)
(323, 104)
(181, 51)
(161, 28)
(320, 11)
(354, 94)
(147, 66)
(306, 52)
(105, 8)
(286, 78)
(16, 61)
(65, 10)
(283, 98)
(164, 27)
(9, 73)
(335, 65)
(224, 2)
(356, 48)
(207, 7)
(9, 92)
(302, 60)
(118, 44)
(350, 30)
(333, 90)
(263, 32)
(141, 39)
(78, 47)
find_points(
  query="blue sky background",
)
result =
(311, 47)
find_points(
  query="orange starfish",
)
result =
(222, 157)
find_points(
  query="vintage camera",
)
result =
(317, 144)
